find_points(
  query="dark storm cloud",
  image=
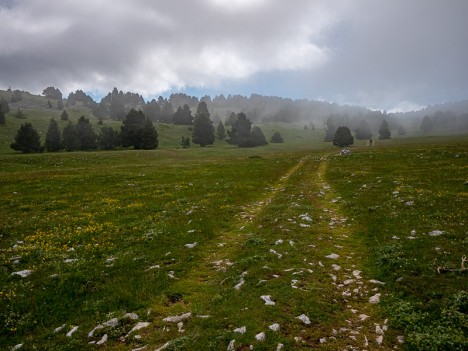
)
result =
(378, 53)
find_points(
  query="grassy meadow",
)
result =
(283, 247)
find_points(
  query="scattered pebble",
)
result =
(267, 299)
(177, 319)
(436, 233)
(16, 347)
(375, 299)
(191, 246)
(231, 346)
(240, 330)
(23, 273)
(138, 326)
(332, 256)
(275, 327)
(56, 330)
(260, 336)
(103, 340)
(304, 319)
(70, 333)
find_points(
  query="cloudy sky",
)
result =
(386, 54)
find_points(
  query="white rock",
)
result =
(336, 267)
(171, 275)
(366, 342)
(240, 330)
(275, 327)
(74, 329)
(191, 246)
(276, 253)
(131, 316)
(323, 340)
(291, 243)
(111, 323)
(267, 299)
(304, 319)
(103, 340)
(177, 319)
(436, 233)
(153, 267)
(373, 281)
(357, 274)
(260, 336)
(348, 281)
(231, 346)
(378, 330)
(363, 317)
(375, 299)
(180, 326)
(279, 347)
(56, 330)
(332, 256)
(138, 326)
(70, 260)
(303, 225)
(23, 273)
(165, 346)
(280, 241)
(401, 339)
(142, 348)
(379, 339)
(16, 347)
(239, 285)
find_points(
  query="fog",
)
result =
(396, 55)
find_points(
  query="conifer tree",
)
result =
(343, 137)
(53, 140)
(203, 129)
(384, 131)
(27, 139)
(221, 131)
(277, 138)
(70, 139)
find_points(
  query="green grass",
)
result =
(399, 196)
(89, 225)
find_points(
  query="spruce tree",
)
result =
(257, 138)
(70, 139)
(203, 129)
(277, 138)
(384, 131)
(107, 138)
(64, 116)
(2, 117)
(149, 136)
(86, 134)
(221, 131)
(27, 139)
(53, 140)
(131, 129)
(240, 132)
(343, 137)
(363, 131)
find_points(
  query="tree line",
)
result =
(136, 131)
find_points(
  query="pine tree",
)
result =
(53, 140)
(277, 138)
(203, 129)
(257, 138)
(240, 132)
(221, 131)
(343, 137)
(384, 131)
(363, 131)
(2, 117)
(27, 139)
(131, 129)
(70, 139)
(86, 134)
(149, 136)
(64, 116)
(107, 138)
